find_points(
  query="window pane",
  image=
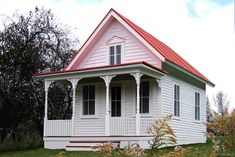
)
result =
(145, 88)
(118, 59)
(91, 92)
(85, 107)
(118, 93)
(111, 60)
(91, 107)
(85, 92)
(145, 105)
(178, 109)
(113, 110)
(118, 108)
(118, 49)
(111, 50)
(175, 114)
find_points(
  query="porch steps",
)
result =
(88, 145)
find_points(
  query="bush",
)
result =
(132, 150)
(162, 132)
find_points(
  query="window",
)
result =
(116, 101)
(197, 106)
(115, 54)
(89, 100)
(144, 97)
(176, 100)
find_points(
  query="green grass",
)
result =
(198, 150)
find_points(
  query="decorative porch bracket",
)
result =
(159, 82)
(107, 79)
(74, 82)
(137, 77)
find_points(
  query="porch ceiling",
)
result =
(141, 67)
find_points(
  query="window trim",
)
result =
(199, 106)
(173, 111)
(82, 116)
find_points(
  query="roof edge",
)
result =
(208, 82)
(97, 67)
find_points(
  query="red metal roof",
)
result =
(163, 49)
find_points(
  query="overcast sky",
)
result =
(201, 31)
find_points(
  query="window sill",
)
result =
(146, 116)
(89, 117)
(176, 118)
(197, 122)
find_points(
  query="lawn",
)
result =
(198, 150)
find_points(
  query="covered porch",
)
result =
(117, 101)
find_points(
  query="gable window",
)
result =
(197, 106)
(176, 100)
(89, 100)
(144, 97)
(115, 54)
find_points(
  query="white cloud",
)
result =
(206, 41)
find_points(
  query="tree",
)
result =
(221, 102)
(30, 43)
(209, 114)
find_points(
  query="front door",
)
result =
(116, 101)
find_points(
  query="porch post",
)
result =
(107, 79)
(74, 85)
(137, 79)
(47, 84)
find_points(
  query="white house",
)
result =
(123, 78)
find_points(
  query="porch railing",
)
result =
(122, 126)
(126, 126)
(58, 128)
(144, 124)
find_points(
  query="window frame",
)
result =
(108, 61)
(197, 106)
(177, 116)
(82, 102)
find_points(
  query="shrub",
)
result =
(132, 150)
(106, 149)
(178, 152)
(162, 132)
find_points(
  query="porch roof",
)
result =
(142, 67)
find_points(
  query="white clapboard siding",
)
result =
(58, 128)
(122, 126)
(187, 129)
(134, 50)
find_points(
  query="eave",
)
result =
(127, 68)
(189, 73)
